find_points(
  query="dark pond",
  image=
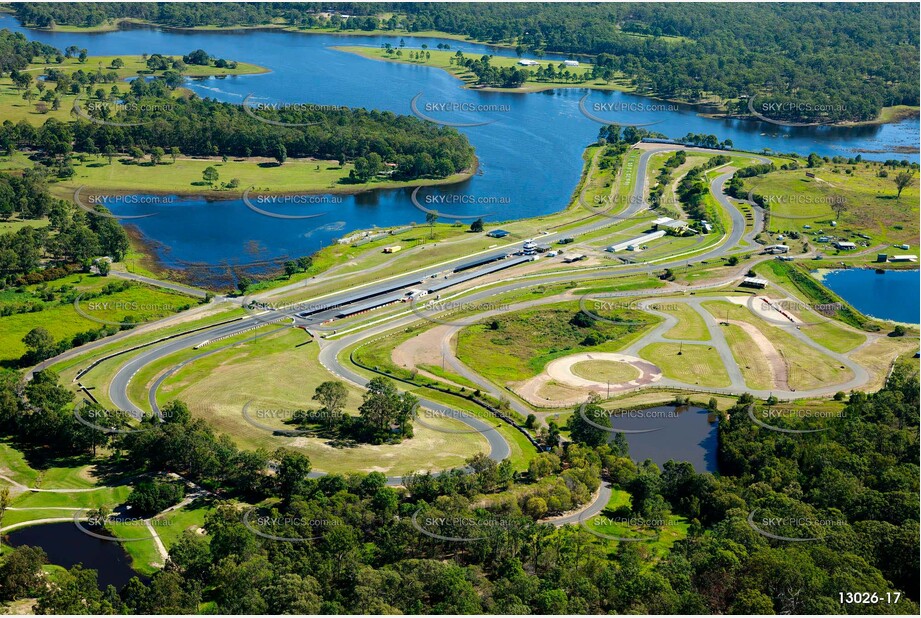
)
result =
(67, 546)
(681, 434)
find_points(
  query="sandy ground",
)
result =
(764, 309)
(775, 361)
(423, 349)
(557, 376)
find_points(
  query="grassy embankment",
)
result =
(280, 372)
(516, 346)
(444, 59)
(59, 315)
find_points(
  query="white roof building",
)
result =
(571, 63)
(528, 63)
(639, 240)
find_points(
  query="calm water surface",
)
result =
(530, 155)
(892, 295)
(67, 546)
(686, 434)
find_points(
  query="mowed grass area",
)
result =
(105, 496)
(184, 176)
(14, 107)
(378, 353)
(690, 326)
(441, 59)
(60, 317)
(13, 463)
(697, 364)
(516, 346)
(807, 367)
(605, 371)
(877, 357)
(834, 337)
(617, 520)
(872, 206)
(46, 504)
(751, 361)
(138, 541)
(278, 375)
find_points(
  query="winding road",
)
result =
(332, 347)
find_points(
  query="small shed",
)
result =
(754, 282)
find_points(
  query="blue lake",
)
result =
(529, 155)
(892, 295)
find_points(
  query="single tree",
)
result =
(210, 175)
(331, 395)
(431, 218)
(903, 180)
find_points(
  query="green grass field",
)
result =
(617, 521)
(277, 373)
(697, 364)
(605, 371)
(443, 60)
(184, 177)
(807, 367)
(61, 318)
(834, 337)
(871, 204)
(690, 326)
(523, 342)
(754, 366)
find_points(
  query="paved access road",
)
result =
(499, 449)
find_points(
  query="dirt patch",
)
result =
(776, 361)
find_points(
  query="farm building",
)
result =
(844, 245)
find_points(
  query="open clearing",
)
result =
(278, 375)
(605, 371)
(807, 367)
(690, 327)
(517, 346)
(872, 206)
(696, 364)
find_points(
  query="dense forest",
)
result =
(809, 62)
(72, 238)
(16, 52)
(370, 551)
(149, 120)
